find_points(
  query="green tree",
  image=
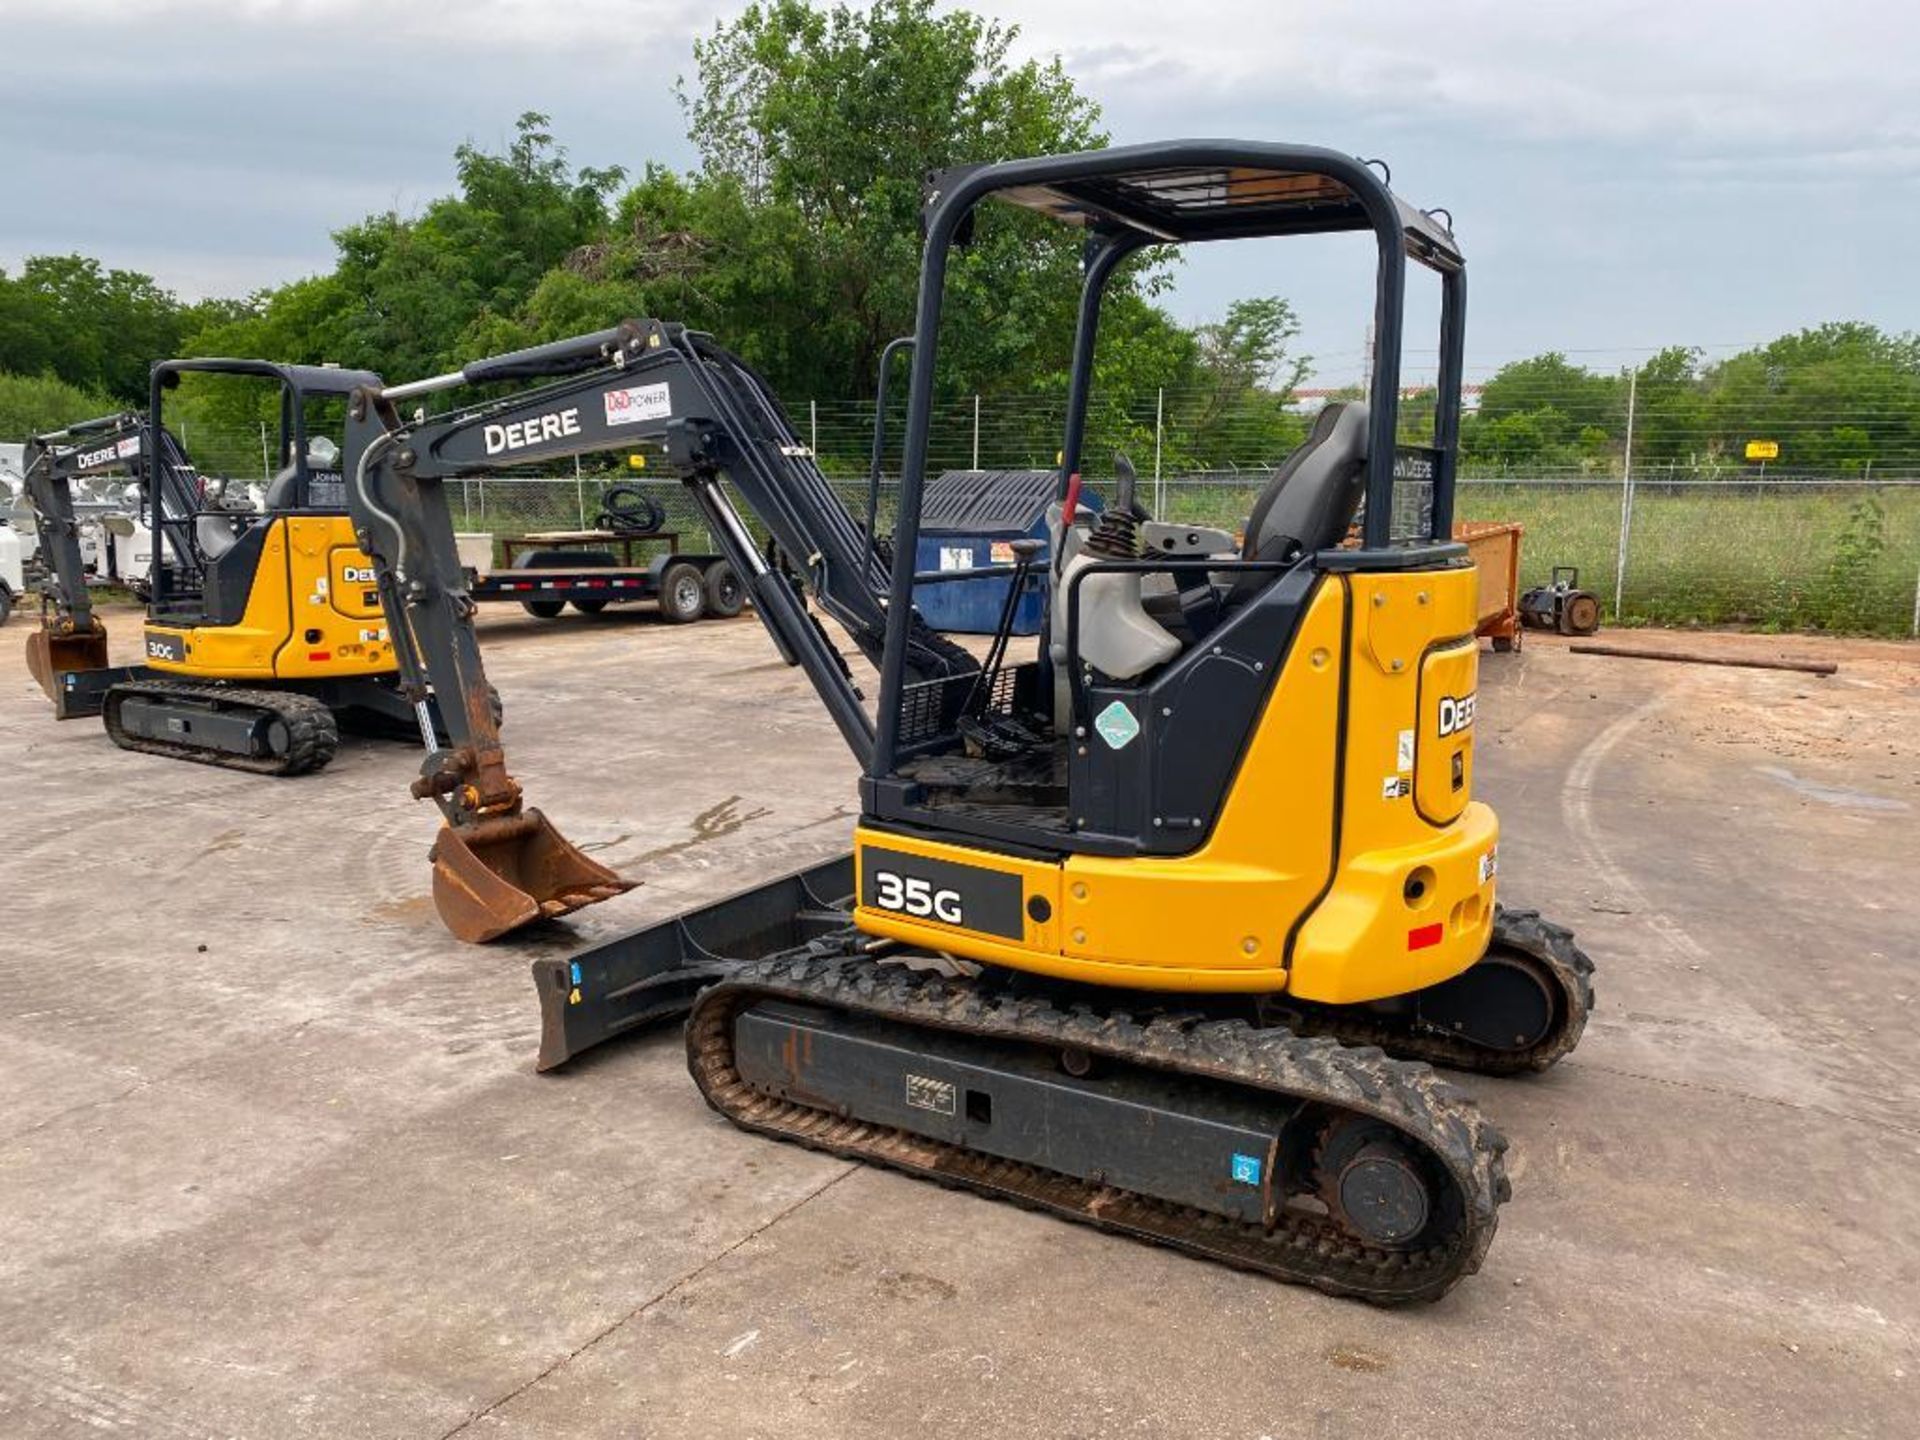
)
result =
(92, 327)
(31, 404)
(1809, 390)
(824, 123)
(1541, 412)
(1669, 418)
(411, 296)
(26, 329)
(1233, 401)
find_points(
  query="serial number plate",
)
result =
(926, 1093)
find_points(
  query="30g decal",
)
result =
(911, 895)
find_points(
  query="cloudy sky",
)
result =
(1624, 174)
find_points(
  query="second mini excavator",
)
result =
(263, 627)
(1156, 931)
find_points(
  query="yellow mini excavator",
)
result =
(1157, 929)
(263, 622)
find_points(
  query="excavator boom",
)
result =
(70, 637)
(496, 865)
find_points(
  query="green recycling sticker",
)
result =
(1116, 725)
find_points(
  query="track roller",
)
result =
(264, 732)
(1301, 1159)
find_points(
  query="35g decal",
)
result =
(911, 895)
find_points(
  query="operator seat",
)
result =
(282, 491)
(1305, 506)
(218, 531)
(1310, 500)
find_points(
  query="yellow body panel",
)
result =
(1264, 905)
(1371, 936)
(312, 613)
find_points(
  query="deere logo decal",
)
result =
(517, 435)
(1456, 714)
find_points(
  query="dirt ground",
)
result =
(274, 1160)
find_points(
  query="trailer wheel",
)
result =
(589, 607)
(683, 593)
(726, 596)
(545, 609)
(6, 604)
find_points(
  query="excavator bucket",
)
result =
(49, 656)
(507, 872)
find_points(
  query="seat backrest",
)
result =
(281, 490)
(1313, 496)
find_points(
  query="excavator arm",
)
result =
(70, 636)
(719, 431)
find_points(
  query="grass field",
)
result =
(1841, 558)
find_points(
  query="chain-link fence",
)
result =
(1781, 553)
(1663, 512)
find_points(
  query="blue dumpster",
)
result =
(968, 521)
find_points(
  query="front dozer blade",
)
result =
(49, 656)
(507, 872)
(654, 973)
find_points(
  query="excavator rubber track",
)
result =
(1330, 1100)
(264, 732)
(1522, 940)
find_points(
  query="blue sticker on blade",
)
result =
(1246, 1169)
(576, 972)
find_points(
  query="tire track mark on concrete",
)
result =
(1576, 806)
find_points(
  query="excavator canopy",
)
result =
(1179, 204)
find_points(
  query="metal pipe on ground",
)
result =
(1689, 657)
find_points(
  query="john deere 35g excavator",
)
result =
(1156, 930)
(262, 625)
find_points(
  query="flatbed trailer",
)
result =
(547, 570)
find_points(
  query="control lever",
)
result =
(1023, 552)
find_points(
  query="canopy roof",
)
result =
(1184, 191)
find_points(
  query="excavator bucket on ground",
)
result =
(49, 655)
(505, 872)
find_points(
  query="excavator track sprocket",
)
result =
(264, 732)
(1529, 955)
(1423, 1171)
